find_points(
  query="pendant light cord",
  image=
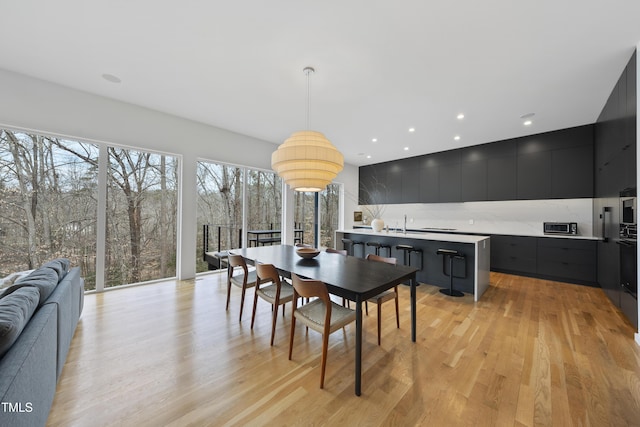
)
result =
(308, 71)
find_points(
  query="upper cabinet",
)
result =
(615, 130)
(556, 165)
(550, 165)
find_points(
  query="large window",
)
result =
(141, 217)
(48, 202)
(49, 193)
(221, 206)
(321, 209)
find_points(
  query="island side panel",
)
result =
(483, 267)
(431, 270)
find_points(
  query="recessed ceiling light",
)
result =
(457, 137)
(368, 156)
(460, 116)
(406, 148)
(374, 139)
(527, 122)
(412, 129)
(111, 78)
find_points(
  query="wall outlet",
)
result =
(470, 222)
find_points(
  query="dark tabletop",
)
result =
(345, 276)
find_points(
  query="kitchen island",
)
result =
(471, 274)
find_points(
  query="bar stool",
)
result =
(378, 246)
(349, 245)
(407, 251)
(451, 254)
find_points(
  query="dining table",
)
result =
(353, 278)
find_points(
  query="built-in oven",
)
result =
(628, 208)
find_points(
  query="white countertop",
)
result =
(487, 233)
(440, 237)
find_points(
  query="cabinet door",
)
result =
(473, 181)
(449, 182)
(572, 172)
(393, 183)
(515, 254)
(567, 259)
(410, 181)
(609, 270)
(501, 178)
(429, 184)
(534, 175)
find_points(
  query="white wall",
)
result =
(39, 106)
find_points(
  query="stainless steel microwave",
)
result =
(570, 228)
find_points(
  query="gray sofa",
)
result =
(38, 317)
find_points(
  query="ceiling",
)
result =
(382, 67)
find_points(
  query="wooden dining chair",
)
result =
(388, 295)
(244, 279)
(321, 314)
(270, 288)
(345, 302)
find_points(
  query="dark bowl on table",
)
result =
(307, 253)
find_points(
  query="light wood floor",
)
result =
(531, 352)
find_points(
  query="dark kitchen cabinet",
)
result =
(615, 169)
(410, 180)
(449, 182)
(474, 173)
(429, 183)
(393, 183)
(556, 164)
(513, 254)
(534, 175)
(569, 260)
(372, 184)
(572, 172)
(501, 178)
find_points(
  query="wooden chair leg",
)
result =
(273, 323)
(241, 304)
(325, 345)
(366, 308)
(293, 331)
(253, 314)
(379, 321)
(228, 294)
(397, 313)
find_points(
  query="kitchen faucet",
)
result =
(404, 229)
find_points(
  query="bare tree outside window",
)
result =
(141, 217)
(48, 208)
(48, 203)
(219, 206)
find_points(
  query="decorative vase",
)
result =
(377, 224)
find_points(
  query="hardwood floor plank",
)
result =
(530, 352)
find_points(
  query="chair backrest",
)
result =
(378, 258)
(308, 288)
(237, 261)
(337, 251)
(267, 273)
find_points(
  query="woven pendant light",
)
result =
(307, 161)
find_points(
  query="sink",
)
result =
(437, 229)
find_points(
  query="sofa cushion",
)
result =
(15, 311)
(45, 279)
(60, 266)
